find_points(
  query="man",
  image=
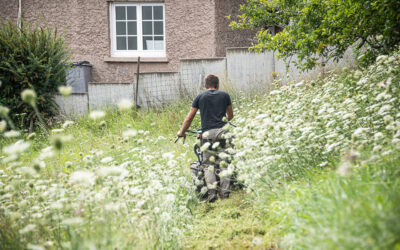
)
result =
(214, 105)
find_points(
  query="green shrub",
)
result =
(31, 57)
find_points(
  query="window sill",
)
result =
(135, 59)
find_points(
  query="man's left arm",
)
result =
(187, 122)
(229, 112)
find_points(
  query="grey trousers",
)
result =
(211, 161)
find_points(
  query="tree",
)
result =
(311, 29)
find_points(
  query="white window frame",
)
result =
(139, 52)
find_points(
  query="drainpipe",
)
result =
(19, 22)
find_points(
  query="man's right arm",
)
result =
(187, 122)
(229, 112)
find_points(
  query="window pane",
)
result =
(148, 43)
(158, 28)
(120, 13)
(121, 28)
(132, 28)
(131, 13)
(159, 43)
(158, 12)
(147, 13)
(132, 43)
(147, 28)
(121, 43)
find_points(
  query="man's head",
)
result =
(211, 82)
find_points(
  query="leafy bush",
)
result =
(31, 57)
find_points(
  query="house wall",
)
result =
(190, 32)
(225, 36)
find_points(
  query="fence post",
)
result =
(137, 83)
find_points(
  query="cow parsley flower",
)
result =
(82, 177)
(12, 134)
(96, 115)
(29, 96)
(17, 148)
(129, 133)
(65, 90)
(3, 126)
(28, 228)
(107, 160)
(4, 111)
(205, 146)
(125, 105)
(67, 124)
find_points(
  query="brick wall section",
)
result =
(225, 36)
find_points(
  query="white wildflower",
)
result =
(17, 148)
(29, 96)
(67, 124)
(129, 133)
(34, 247)
(165, 216)
(65, 90)
(57, 130)
(82, 177)
(212, 186)
(46, 153)
(97, 115)
(28, 228)
(388, 119)
(344, 168)
(106, 160)
(3, 126)
(27, 171)
(384, 109)
(125, 105)
(378, 136)
(205, 146)
(203, 190)
(111, 171)
(257, 241)
(168, 155)
(12, 134)
(215, 145)
(299, 84)
(4, 111)
(224, 156)
(31, 136)
(72, 221)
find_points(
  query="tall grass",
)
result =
(308, 128)
(319, 158)
(117, 182)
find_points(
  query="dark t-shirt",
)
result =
(212, 105)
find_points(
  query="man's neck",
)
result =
(211, 89)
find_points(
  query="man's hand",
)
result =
(180, 133)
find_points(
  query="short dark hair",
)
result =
(211, 81)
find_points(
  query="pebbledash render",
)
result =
(111, 35)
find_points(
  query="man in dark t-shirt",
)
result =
(214, 105)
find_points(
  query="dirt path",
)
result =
(227, 224)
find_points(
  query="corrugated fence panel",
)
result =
(193, 72)
(75, 104)
(247, 70)
(108, 94)
(158, 89)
